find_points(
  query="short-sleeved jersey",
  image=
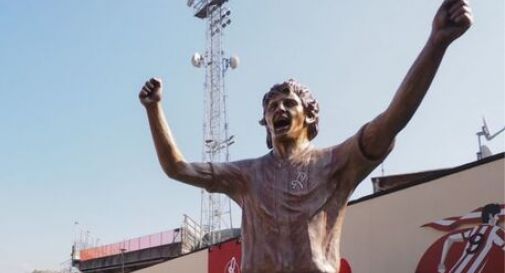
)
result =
(479, 241)
(292, 210)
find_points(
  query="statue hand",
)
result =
(453, 18)
(151, 92)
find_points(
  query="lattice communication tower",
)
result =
(215, 208)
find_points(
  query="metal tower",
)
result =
(215, 208)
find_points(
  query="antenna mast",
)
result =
(215, 208)
(483, 149)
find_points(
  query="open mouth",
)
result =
(282, 123)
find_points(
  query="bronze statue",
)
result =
(293, 198)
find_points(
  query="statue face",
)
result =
(493, 219)
(285, 116)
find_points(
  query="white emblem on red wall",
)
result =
(232, 266)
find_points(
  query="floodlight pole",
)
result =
(216, 139)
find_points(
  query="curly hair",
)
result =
(310, 105)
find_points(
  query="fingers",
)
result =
(144, 92)
(459, 12)
(149, 84)
(151, 90)
(456, 5)
(464, 20)
(461, 16)
(155, 82)
(152, 84)
(447, 3)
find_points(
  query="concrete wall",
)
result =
(192, 263)
(384, 234)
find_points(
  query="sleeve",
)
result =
(351, 163)
(228, 178)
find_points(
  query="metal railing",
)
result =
(191, 234)
(148, 241)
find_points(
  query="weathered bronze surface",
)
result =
(294, 198)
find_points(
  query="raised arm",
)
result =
(458, 237)
(452, 19)
(169, 156)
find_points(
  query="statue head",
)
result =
(284, 120)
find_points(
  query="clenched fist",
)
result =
(453, 19)
(151, 92)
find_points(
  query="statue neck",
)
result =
(289, 149)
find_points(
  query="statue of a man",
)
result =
(293, 198)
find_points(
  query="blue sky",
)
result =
(75, 144)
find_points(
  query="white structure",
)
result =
(216, 208)
(483, 149)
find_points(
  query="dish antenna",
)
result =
(234, 62)
(484, 151)
(197, 60)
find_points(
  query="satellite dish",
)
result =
(234, 62)
(485, 129)
(197, 60)
(483, 149)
